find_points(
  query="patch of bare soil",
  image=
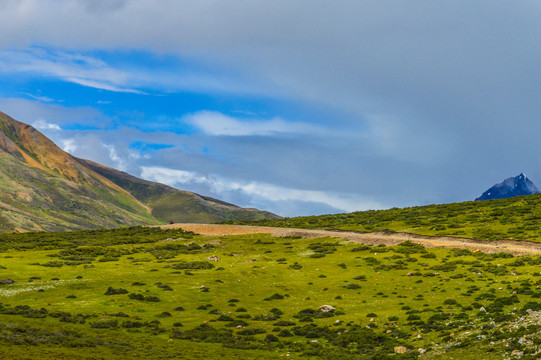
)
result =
(387, 238)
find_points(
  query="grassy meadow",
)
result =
(164, 294)
(517, 218)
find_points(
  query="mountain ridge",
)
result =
(167, 203)
(44, 188)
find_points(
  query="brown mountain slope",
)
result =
(44, 188)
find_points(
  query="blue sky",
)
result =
(296, 107)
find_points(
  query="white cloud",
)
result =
(69, 145)
(121, 160)
(68, 66)
(44, 125)
(39, 98)
(258, 191)
(101, 85)
(217, 124)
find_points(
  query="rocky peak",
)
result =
(513, 186)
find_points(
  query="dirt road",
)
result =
(514, 247)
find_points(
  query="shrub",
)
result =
(152, 299)
(271, 338)
(276, 312)
(193, 265)
(164, 287)
(104, 324)
(136, 296)
(284, 323)
(275, 296)
(253, 331)
(236, 323)
(285, 333)
(164, 314)
(53, 264)
(112, 291)
(224, 317)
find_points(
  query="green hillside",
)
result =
(170, 294)
(516, 218)
(170, 204)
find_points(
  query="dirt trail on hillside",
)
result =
(510, 246)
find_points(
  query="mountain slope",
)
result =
(44, 188)
(513, 186)
(170, 204)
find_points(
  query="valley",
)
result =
(238, 292)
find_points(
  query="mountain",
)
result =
(44, 188)
(513, 186)
(170, 204)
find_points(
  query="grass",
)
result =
(77, 295)
(517, 218)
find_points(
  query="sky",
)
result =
(298, 107)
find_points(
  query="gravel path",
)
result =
(510, 246)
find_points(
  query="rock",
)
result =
(180, 308)
(421, 351)
(7, 282)
(517, 353)
(482, 308)
(400, 349)
(213, 258)
(326, 308)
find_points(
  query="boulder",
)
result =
(7, 282)
(400, 349)
(326, 308)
